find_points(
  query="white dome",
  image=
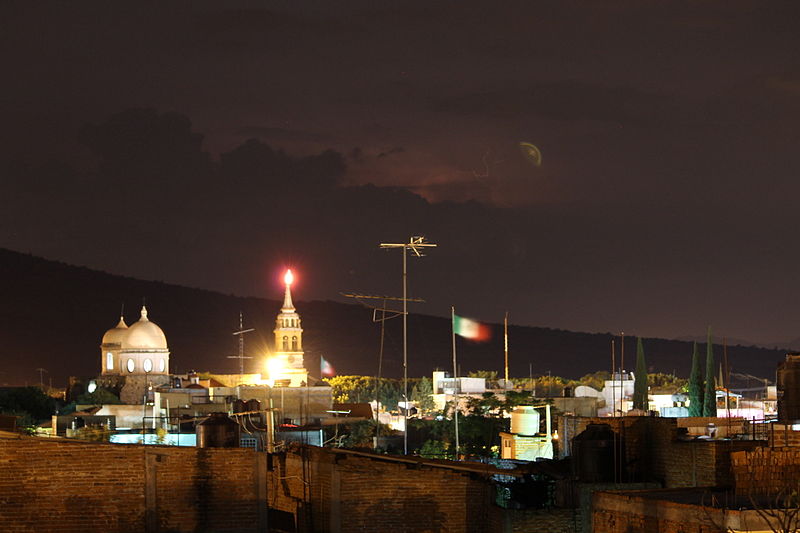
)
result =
(117, 333)
(144, 335)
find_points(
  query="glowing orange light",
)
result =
(288, 278)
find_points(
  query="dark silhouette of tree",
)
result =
(695, 385)
(709, 396)
(640, 385)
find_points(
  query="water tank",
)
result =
(788, 386)
(593, 453)
(218, 431)
(525, 420)
(239, 406)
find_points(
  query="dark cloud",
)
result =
(664, 202)
(283, 134)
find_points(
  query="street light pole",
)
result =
(415, 244)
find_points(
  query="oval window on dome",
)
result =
(148, 365)
(109, 361)
(131, 365)
(162, 365)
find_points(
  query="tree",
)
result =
(709, 396)
(100, 396)
(640, 385)
(695, 385)
(29, 403)
(422, 394)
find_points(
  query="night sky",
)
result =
(211, 144)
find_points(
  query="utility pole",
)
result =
(416, 244)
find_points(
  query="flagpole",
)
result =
(505, 347)
(455, 374)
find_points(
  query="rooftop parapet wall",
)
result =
(63, 485)
(766, 471)
(653, 451)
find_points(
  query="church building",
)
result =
(134, 358)
(285, 367)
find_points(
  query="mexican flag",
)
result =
(325, 368)
(471, 329)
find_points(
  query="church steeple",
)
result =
(286, 364)
(288, 279)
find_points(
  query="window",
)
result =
(131, 365)
(285, 344)
(148, 365)
(294, 344)
(109, 361)
(162, 365)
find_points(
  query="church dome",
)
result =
(144, 335)
(117, 333)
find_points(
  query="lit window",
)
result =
(162, 365)
(148, 365)
(131, 365)
(294, 344)
(109, 361)
(286, 344)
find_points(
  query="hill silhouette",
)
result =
(53, 315)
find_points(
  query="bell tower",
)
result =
(286, 364)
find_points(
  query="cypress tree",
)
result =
(695, 385)
(709, 396)
(640, 385)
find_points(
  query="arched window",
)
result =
(286, 344)
(109, 361)
(131, 365)
(162, 365)
(294, 344)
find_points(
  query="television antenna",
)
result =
(382, 309)
(41, 372)
(240, 333)
(417, 245)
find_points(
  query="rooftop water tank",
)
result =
(218, 431)
(593, 453)
(525, 420)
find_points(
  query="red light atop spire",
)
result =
(288, 278)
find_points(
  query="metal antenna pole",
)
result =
(41, 372)
(241, 357)
(415, 244)
(383, 318)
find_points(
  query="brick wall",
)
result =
(783, 435)
(333, 490)
(654, 453)
(766, 470)
(616, 512)
(61, 485)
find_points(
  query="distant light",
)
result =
(274, 367)
(288, 278)
(92, 387)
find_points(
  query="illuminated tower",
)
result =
(286, 364)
